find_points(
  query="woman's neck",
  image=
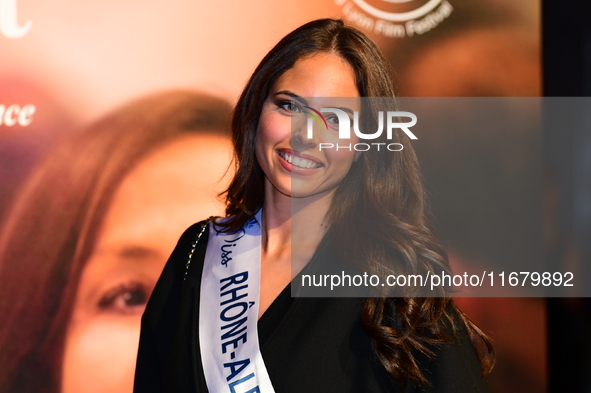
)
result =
(292, 231)
(294, 227)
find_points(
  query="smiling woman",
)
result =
(86, 240)
(287, 156)
(221, 317)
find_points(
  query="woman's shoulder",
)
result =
(189, 235)
(167, 303)
(171, 281)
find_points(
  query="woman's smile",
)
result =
(298, 163)
(293, 164)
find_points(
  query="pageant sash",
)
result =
(228, 312)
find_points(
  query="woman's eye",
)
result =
(125, 299)
(333, 119)
(289, 106)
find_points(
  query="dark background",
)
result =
(566, 38)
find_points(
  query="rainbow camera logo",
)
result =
(316, 115)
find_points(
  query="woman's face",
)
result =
(164, 194)
(294, 165)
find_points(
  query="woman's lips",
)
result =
(298, 163)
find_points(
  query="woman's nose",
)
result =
(300, 137)
(299, 142)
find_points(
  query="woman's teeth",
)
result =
(299, 161)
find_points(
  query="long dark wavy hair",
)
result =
(379, 207)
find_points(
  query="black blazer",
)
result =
(308, 344)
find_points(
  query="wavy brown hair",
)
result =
(379, 207)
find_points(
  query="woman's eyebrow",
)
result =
(132, 251)
(293, 95)
(303, 101)
(350, 111)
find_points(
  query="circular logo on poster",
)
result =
(415, 10)
(396, 18)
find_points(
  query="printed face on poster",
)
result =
(101, 174)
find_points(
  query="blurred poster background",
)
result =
(71, 316)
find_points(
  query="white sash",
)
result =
(228, 312)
